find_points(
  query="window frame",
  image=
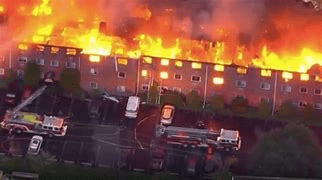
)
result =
(53, 64)
(302, 102)
(319, 94)
(265, 83)
(306, 92)
(72, 65)
(283, 89)
(96, 85)
(320, 105)
(121, 77)
(24, 58)
(2, 71)
(93, 71)
(241, 83)
(177, 78)
(192, 77)
(40, 61)
(145, 85)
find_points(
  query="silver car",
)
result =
(167, 114)
(35, 145)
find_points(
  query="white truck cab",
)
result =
(132, 107)
(229, 140)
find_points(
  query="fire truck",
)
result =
(206, 140)
(18, 121)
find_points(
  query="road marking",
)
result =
(135, 137)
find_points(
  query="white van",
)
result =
(132, 107)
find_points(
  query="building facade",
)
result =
(124, 76)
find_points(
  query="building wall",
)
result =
(121, 76)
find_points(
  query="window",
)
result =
(23, 59)
(218, 80)
(147, 60)
(70, 65)
(266, 73)
(54, 50)
(145, 73)
(195, 65)
(177, 89)
(40, 61)
(302, 104)
(71, 52)
(303, 90)
(54, 63)
(1, 71)
(164, 75)
(219, 67)
(287, 75)
(122, 61)
(178, 76)
(265, 86)
(93, 85)
(165, 62)
(121, 75)
(241, 70)
(20, 74)
(178, 63)
(318, 79)
(241, 83)
(93, 71)
(286, 88)
(120, 89)
(317, 106)
(317, 92)
(40, 48)
(195, 78)
(145, 87)
(305, 77)
(94, 58)
(23, 47)
(263, 99)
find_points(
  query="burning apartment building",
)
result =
(258, 49)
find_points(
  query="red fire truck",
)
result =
(18, 121)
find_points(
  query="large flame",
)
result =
(76, 23)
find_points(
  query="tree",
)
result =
(32, 74)
(239, 105)
(310, 115)
(288, 152)
(193, 100)
(287, 110)
(264, 109)
(217, 104)
(173, 97)
(10, 76)
(70, 80)
(153, 93)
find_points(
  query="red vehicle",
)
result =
(35, 124)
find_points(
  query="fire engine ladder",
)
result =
(29, 99)
(187, 133)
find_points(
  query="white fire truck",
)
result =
(18, 121)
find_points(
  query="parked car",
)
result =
(132, 107)
(167, 114)
(10, 99)
(35, 145)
